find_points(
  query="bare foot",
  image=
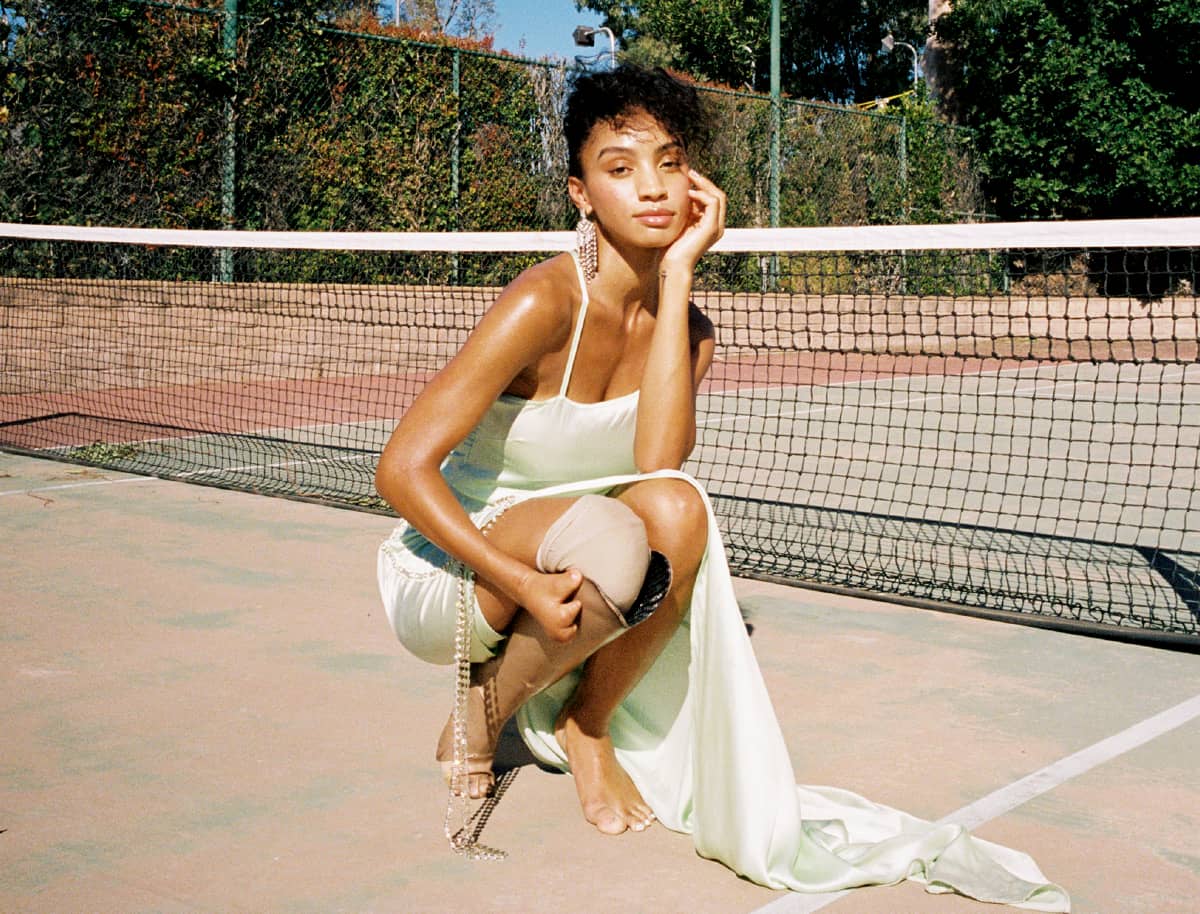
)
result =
(609, 798)
(483, 732)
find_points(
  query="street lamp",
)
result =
(890, 42)
(585, 37)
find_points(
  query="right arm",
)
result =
(527, 321)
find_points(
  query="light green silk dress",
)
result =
(698, 735)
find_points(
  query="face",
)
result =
(635, 182)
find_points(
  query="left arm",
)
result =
(681, 347)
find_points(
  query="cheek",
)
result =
(605, 195)
(678, 184)
(680, 192)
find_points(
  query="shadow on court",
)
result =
(204, 710)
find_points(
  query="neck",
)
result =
(627, 275)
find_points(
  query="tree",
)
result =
(829, 48)
(938, 78)
(1083, 108)
(462, 18)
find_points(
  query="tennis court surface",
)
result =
(204, 709)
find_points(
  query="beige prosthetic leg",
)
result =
(623, 583)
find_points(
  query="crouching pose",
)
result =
(552, 547)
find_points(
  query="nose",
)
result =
(650, 185)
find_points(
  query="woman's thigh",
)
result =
(672, 510)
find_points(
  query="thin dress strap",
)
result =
(583, 304)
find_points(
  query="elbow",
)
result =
(383, 482)
(386, 485)
(394, 479)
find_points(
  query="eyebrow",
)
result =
(622, 150)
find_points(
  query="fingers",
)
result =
(711, 198)
(704, 186)
(572, 610)
(566, 614)
(700, 181)
(568, 621)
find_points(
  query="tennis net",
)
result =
(1001, 419)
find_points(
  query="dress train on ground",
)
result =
(700, 739)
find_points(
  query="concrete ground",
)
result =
(203, 709)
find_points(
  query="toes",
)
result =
(480, 786)
(607, 822)
(642, 822)
(641, 817)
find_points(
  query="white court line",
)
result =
(264, 431)
(942, 395)
(1181, 374)
(80, 485)
(745, 391)
(271, 466)
(1011, 796)
(884, 404)
(188, 475)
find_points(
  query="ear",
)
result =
(578, 194)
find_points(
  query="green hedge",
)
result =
(116, 113)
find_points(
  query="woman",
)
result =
(550, 537)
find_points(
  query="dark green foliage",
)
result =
(829, 48)
(118, 113)
(939, 182)
(110, 115)
(1082, 109)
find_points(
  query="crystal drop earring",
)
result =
(585, 246)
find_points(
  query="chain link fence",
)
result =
(136, 113)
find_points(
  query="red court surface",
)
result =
(203, 709)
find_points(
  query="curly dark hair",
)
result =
(611, 96)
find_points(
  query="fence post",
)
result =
(776, 115)
(776, 130)
(903, 198)
(229, 36)
(456, 88)
(455, 188)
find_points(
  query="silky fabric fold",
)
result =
(698, 734)
(700, 739)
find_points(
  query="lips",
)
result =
(656, 218)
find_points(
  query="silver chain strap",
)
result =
(463, 840)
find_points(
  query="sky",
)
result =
(545, 26)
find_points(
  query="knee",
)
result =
(606, 541)
(673, 511)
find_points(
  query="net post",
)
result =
(229, 37)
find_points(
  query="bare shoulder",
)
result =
(542, 299)
(700, 328)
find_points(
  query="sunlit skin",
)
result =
(655, 218)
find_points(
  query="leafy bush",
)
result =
(120, 113)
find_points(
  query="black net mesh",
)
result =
(1012, 430)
